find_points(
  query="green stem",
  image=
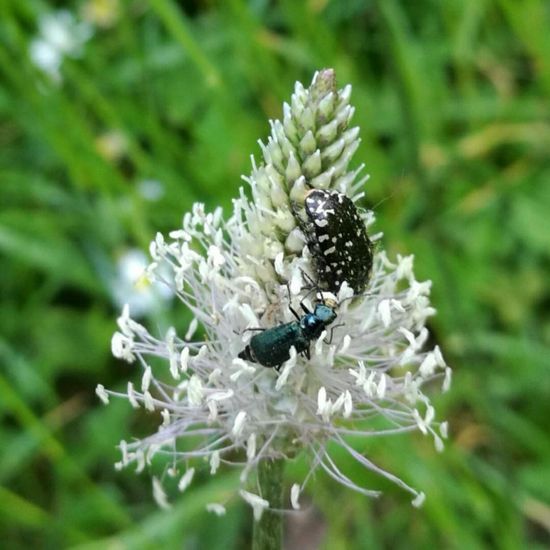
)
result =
(268, 532)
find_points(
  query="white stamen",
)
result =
(427, 366)
(214, 376)
(420, 422)
(430, 414)
(140, 459)
(439, 357)
(294, 496)
(184, 359)
(345, 344)
(384, 312)
(221, 395)
(319, 343)
(102, 394)
(418, 501)
(186, 479)
(213, 411)
(238, 424)
(337, 405)
(194, 391)
(174, 366)
(192, 329)
(279, 265)
(132, 396)
(244, 368)
(381, 389)
(258, 503)
(214, 462)
(447, 380)
(159, 495)
(321, 400)
(348, 404)
(149, 402)
(251, 447)
(146, 379)
(289, 365)
(215, 508)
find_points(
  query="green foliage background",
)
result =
(452, 99)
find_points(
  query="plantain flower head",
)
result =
(249, 271)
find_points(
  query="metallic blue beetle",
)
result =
(271, 347)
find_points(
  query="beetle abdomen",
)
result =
(272, 347)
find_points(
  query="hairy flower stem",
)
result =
(268, 531)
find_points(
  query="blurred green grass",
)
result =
(453, 103)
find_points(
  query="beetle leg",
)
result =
(314, 287)
(293, 311)
(306, 276)
(332, 333)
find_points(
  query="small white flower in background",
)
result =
(133, 286)
(236, 274)
(60, 35)
(151, 190)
